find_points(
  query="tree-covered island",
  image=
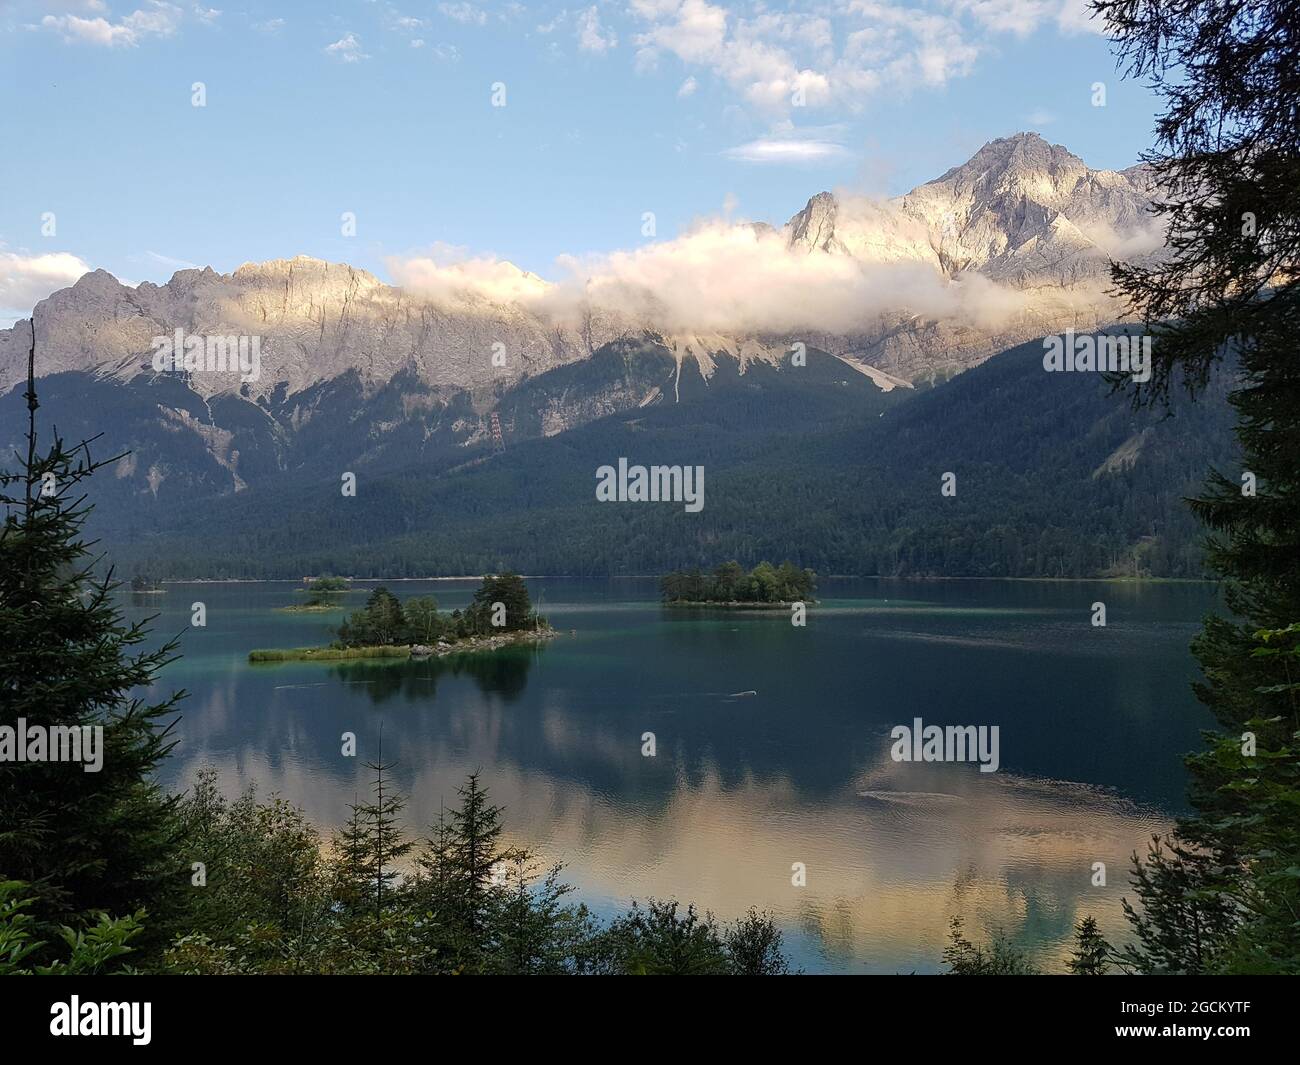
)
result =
(386, 627)
(324, 595)
(729, 585)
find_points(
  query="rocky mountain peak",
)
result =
(813, 228)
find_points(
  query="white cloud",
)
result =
(836, 53)
(1023, 17)
(722, 277)
(787, 149)
(591, 35)
(1019, 17)
(1076, 16)
(449, 274)
(782, 60)
(688, 87)
(274, 25)
(25, 280)
(158, 20)
(88, 31)
(464, 13)
(347, 49)
(411, 25)
(739, 279)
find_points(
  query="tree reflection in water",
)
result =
(503, 672)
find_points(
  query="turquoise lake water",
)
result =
(772, 745)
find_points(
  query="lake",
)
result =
(772, 745)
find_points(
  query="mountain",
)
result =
(1024, 223)
(1025, 226)
(356, 375)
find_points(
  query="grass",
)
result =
(327, 654)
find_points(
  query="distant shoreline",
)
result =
(657, 576)
(734, 604)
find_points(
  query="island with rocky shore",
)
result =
(501, 615)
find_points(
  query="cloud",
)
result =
(274, 25)
(1018, 17)
(1024, 17)
(464, 13)
(158, 20)
(591, 36)
(25, 280)
(411, 26)
(787, 149)
(731, 278)
(449, 275)
(347, 49)
(743, 279)
(836, 54)
(1076, 16)
(781, 60)
(1148, 237)
(688, 87)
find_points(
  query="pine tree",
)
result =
(538, 933)
(369, 845)
(1227, 168)
(1091, 953)
(1000, 958)
(511, 592)
(83, 841)
(475, 853)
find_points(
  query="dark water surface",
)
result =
(1093, 723)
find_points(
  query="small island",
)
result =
(143, 584)
(765, 587)
(324, 595)
(501, 614)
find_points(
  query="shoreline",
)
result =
(658, 576)
(400, 652)
(735, 604)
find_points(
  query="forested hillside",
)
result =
(1055, 477)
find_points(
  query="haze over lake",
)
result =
(773, 745)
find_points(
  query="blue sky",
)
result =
(683, 108)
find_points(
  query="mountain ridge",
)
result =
(355, 370)
(1022, 213)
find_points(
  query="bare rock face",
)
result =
(315, 320)
(1026, 215)
(1027, 212)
